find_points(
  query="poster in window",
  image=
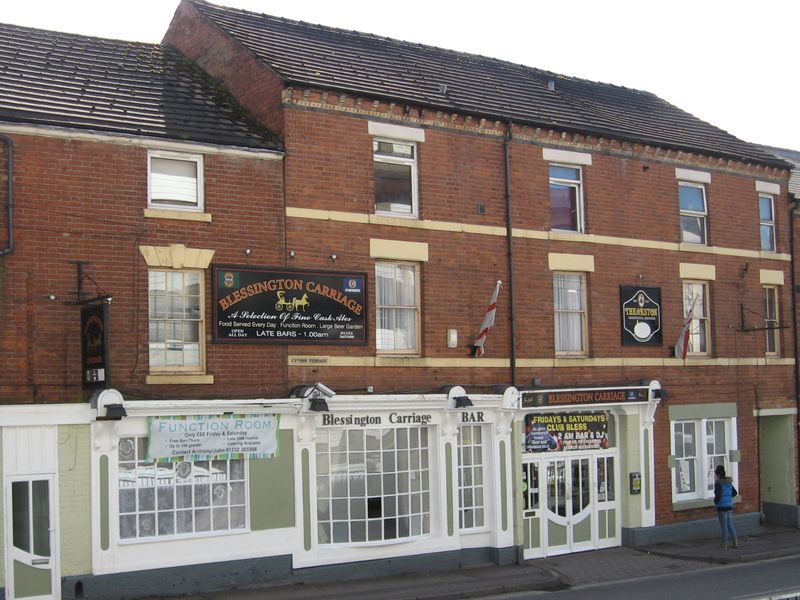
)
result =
(556, 432)
(285, 306)
(641, 316)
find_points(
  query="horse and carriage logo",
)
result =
(292, 304)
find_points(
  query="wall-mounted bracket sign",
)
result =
(262, 305)
(641, 316)
(94, 346)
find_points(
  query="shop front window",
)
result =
(470, 477)
(373, 485)
(159, 499)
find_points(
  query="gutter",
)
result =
(510, 245)
(10, 207)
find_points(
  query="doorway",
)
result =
(569, 503)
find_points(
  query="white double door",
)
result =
(573, 501)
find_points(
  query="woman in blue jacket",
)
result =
(724, 493)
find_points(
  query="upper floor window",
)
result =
(395, 164)
(175, 181)
(566, 198)
(176, 321)
(766, 215)
(771, 323)
(397, 299)
(695, 309)
(569, 302)
(693, 212)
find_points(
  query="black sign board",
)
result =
(264, 305)
(584, 396)
(94, 346)
(641, 316)
(553, 432)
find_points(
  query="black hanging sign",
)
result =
(263, 305)
(641, 316)
(94, 346)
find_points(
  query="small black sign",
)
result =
(263, 305)
(94, 346)
(641, 316)
(584, 396)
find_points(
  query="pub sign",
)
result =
(641, 316)
(285, 306)
(94, 346)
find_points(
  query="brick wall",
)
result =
(80, 200)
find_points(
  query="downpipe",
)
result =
(10, 205)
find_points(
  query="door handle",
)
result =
(40, 561)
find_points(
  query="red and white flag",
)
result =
(488, 322)
(682, 345)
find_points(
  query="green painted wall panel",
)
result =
(448, 457)
(75, 501)
(306, 460)
(272, 487)
(2, 520)
(503, 487)
(105, 524)
(777, 459)
(30, 581)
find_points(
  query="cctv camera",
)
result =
(324, 390)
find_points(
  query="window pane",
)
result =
(20, 501)
(693, 229)
(564, 207)
(765, 208)
(173, 181)
(559, 172)
(692, 198)
(767, 237)
(393, 188)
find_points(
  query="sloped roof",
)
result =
(65, 80)
(364, 64)
(792, 156)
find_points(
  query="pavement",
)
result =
(543, 574)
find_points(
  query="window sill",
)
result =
(699, 503)
(692, 504)
(179, 379)
(180, 215)
(393, 215)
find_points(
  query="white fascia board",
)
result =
(27, 415)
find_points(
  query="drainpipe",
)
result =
(10, 146)
(510, 243)
(792, 217)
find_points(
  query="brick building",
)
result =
(358, 246)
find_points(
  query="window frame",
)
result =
(688, 213)
(200, 368)
(397, 160)
(767, 223)
(704, 477)
(571, 183)
(583, 312)
(199, 205)
(477, 502)
(704, 320)
(417, 310)
(194, 534)
(772, 325)
(324, 457)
